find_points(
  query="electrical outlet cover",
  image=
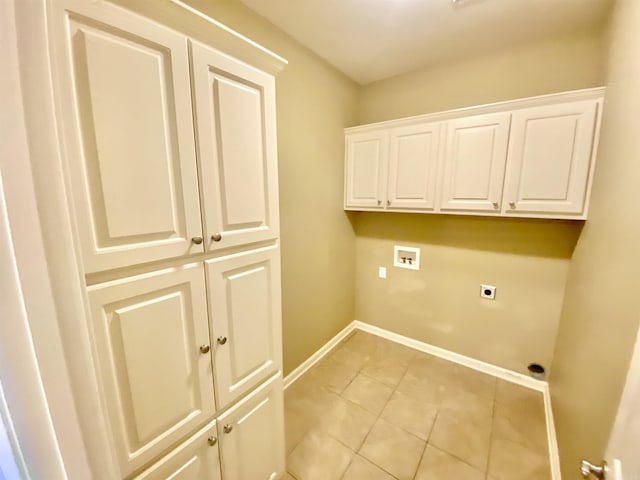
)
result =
(488, 292)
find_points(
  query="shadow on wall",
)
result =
(518, 236)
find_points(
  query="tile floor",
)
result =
(376, 410)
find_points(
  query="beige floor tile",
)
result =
(332, 374)
(517, 396)
(349, 358)
(422, 388)
(319, 457)
(385, 371)
(347, 422)
(288, 476)
(520, 426)
(473, 382)
(363, 343)
(509, 460)
(439, 465)
(368, 393)
(475, 408)
(463, 438)
(414, 416)
(427, 366)
(362, 469)
(393, 450)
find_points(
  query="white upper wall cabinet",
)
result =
(413, 164)
(475, 156)
(550, 149)
(366, 163)
(235, 123)
(128, 134)
(532, 157)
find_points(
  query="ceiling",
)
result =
(374, 39)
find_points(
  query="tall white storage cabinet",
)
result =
(171, 167)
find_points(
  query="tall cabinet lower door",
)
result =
(245, 306)
(152, 338)
(236, 129)
(252, 435)
(195, 459)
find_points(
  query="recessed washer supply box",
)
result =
(406, 257)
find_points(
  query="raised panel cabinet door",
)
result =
(413, 164)
(474, 162)
(365, 169)
(195, 459)
(245, 306)
(550, 157)
(126, 122)
(152, 345)
(237, 155)
(252, 435)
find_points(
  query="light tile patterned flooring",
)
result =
(376, 410)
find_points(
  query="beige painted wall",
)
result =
(527, 260)
(601, 311)
(314, 103)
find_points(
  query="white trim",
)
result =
(300, 370)
(494, 370)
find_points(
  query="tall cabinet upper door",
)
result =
(474, 162)
(366, 164)
(245, 306)
(413, 163)
(152, 345)
(127, 126)
(236, 130)
(550, 157)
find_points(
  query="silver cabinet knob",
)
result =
(598, 471)
(388, 203)
(212, 440)
(216, 237)
(379, 202)
(222, 340)
(496, 205)
(512, 205)
(196, 240)
(227, 428)
(204, 348)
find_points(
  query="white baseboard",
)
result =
(499, 372)
(317, 356)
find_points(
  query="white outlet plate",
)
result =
(382, 272)
(406, 257)
(488, 292)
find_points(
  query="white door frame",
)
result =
(40, 334)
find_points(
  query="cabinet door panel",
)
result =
(244, 300)
(413, 162)
(158, 385)
(366, 163)
(252, 435)
(195, 459)
(550, 158)
(474, 163)
(127, 125)
(235, 120)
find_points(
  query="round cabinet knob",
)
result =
(204, 348)
(512, 205)
(222, 340)
(379, 202)
(227, 428)
(496, 205)
(216, 237)
(212, 440)
(388, 203)
(196, 240)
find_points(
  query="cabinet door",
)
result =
(126, 121)
(474, 162)
(413, 163)
(550, 158)
(366, 163)
(236, 129)
(252, 435)
(195, 459)
(157, 380)
(245, 306)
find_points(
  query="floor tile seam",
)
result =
(415, 474)
(456, 457)
(491, 439)
(374, 463)
(348, 465)
(526, 447)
